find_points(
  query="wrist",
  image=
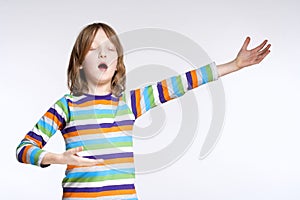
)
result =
(235, 65)
(53, 158)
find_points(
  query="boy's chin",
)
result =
(104, 81)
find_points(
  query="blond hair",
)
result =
(77, 82)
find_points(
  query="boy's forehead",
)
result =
(101, 37)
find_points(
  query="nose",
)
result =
(102, 53)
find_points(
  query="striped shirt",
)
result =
(103, 125)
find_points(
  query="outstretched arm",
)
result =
(140, 100)
(245, 58)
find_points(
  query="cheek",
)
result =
(114, 64)
(113, 59)
(89, 60)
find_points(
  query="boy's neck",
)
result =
(100, 89)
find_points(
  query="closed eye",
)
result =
(111, 48)
(92, 48)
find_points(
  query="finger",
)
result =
(265, 49)
(262, 57)
(246, 43)
(75, 150)
(88, 161)
(99, 161)
(259, 47)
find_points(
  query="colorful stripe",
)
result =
(100, 189)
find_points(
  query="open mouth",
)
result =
(102, 66)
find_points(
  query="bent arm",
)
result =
(30, 151)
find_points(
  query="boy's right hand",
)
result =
(70, 157)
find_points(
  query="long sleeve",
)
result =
(143, 99)
(30, 150)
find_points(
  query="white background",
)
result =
(257, 156)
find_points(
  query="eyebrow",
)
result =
(108, 42)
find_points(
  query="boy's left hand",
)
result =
(246, 57)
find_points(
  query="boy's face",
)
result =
(100, 63)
